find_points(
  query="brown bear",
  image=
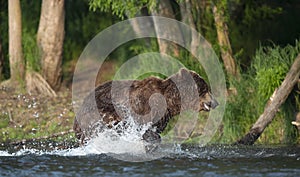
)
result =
(152, 100)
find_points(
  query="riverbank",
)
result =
(30, 116)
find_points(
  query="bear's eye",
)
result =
(202, 94)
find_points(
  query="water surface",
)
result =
(213, 160)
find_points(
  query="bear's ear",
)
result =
(183, 72)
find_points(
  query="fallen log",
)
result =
(272, 107)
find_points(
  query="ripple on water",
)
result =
(184, 160)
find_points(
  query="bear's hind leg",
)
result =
(153, 139)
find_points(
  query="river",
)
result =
(184, 160)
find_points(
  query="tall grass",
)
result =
(268, 70)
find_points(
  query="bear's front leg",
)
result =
(152, 138)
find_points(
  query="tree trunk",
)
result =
(1, 61)
(136, 25)
(50, 39)
(163, 30)
(272, 107)
(223, 38)
(17, 64)
(187, 17)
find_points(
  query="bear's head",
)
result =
(201, 98)
(207, 100)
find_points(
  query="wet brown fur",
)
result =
(140, 91)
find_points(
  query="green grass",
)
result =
(268, 70)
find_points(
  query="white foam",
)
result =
(5, 154)
(126, 140)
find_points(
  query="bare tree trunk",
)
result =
(17, 64)
(136, 25)
(223, 38)
(272, 107)
(1, 60)
(163, 30)
(187, 17)
(50, 39)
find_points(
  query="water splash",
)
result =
(122, 141)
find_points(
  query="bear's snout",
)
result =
(214, 103)
(209, 102)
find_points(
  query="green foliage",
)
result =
(269, 79)
(271, 65)
(29, 25)
(258, 10)
(192, 63)
(223, 9)
(205, 24)
(122, 8)
(30, 50)
(4, 36)
(242, 108)
(254, 22)
(81, 26)
(148, 45)
(30, 22)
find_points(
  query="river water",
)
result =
(184, 160)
